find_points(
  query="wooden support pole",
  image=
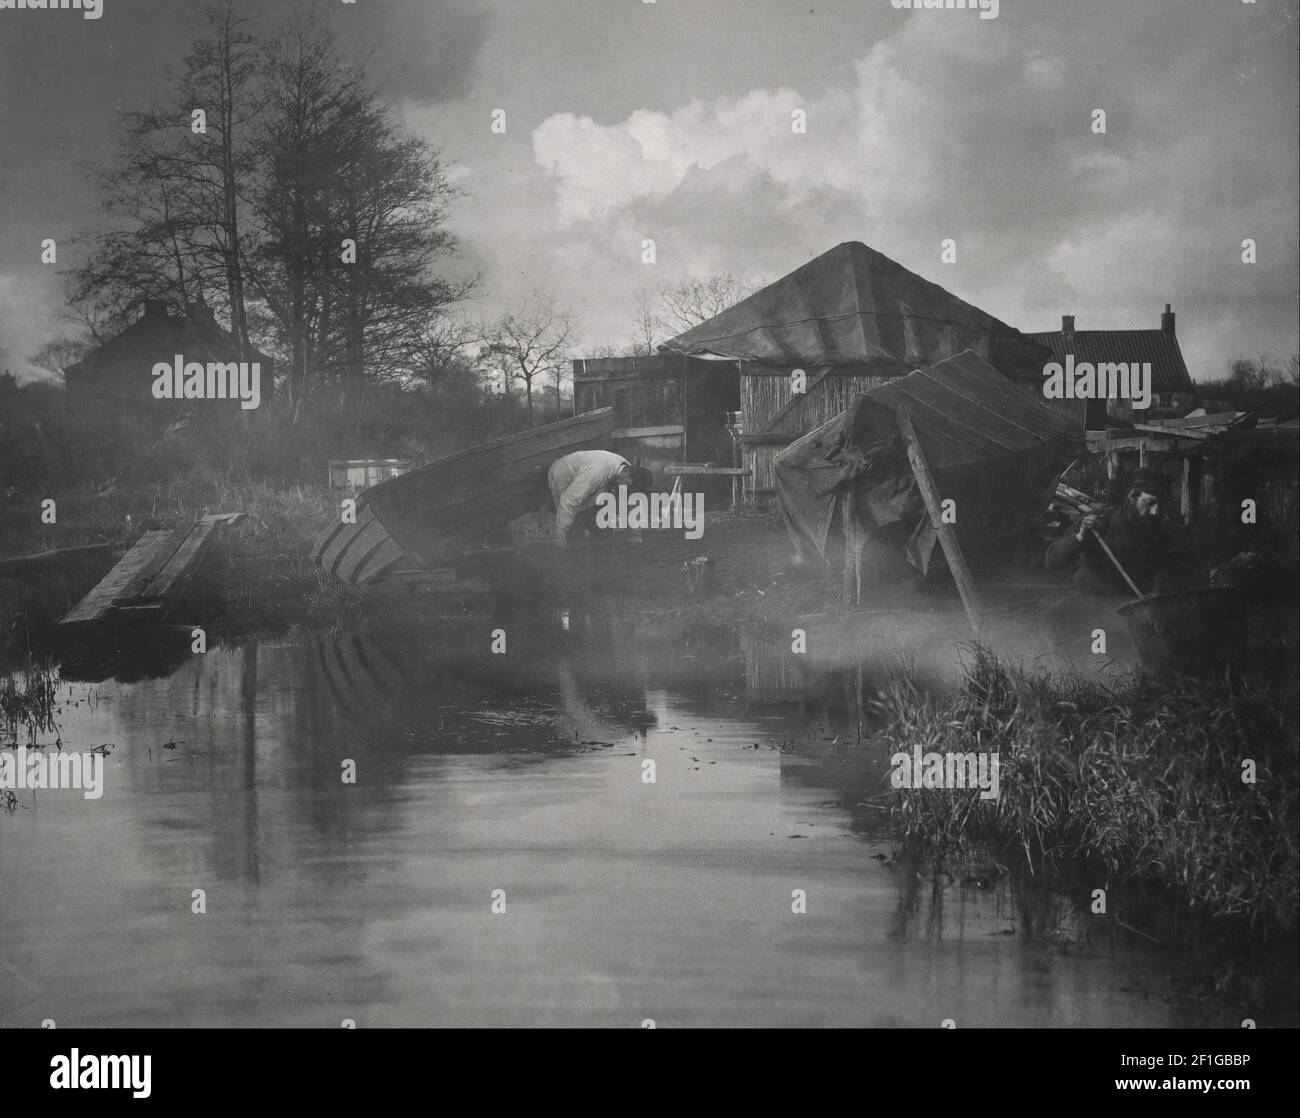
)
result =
(849, 519)
(1114, 468)
(1191, 487)
(934, 506)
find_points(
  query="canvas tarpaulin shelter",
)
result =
(991, 447)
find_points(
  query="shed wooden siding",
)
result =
(636, 403)
(643, 391)
(660, 391)
(764, 394)
(654, 452)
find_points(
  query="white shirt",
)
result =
(577, 479)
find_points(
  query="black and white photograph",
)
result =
(650, 514)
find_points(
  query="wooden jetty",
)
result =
(149, 578)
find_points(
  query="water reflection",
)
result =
(522, 771)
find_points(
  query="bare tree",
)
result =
(1247, 375)
(686, 304)
(533, 340)
(349, 215)
(558, 374)
(442, 349)
(644, 324)
(57, 354)
(220, 72)
(301, 210)
(173, 192)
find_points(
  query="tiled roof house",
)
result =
(1172, 390)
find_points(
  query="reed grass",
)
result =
(28, 703)
(1142, 781)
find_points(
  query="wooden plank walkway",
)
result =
(150, 576)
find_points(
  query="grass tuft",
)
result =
(1144, 782)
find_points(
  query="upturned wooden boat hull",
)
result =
(431, 515)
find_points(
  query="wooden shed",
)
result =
(803, 348)
(668, 408)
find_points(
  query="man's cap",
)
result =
(1152, 481)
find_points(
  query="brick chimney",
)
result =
(201, 314)
(155, 308)
(1067, 328)
(1167, 321)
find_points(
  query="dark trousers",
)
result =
(583, 523)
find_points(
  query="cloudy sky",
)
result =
(671, 120)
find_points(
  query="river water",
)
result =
(502, 859)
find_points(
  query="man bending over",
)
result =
(576, 482)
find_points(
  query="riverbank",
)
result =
(1173, 802)
(260, 580)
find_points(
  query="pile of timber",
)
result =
(1073, 503)
(1066, 506)
(148, 581)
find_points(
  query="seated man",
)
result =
(1135, 533)
(576, 482)
(1137, 536)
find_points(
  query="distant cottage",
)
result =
(111, 389)
(1173, 394)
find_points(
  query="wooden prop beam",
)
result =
(947, 537)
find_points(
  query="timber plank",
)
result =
(99, 601)
(182, 562)
(135, 587)
(947, 537)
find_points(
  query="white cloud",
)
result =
(946, 130)
(601, 168)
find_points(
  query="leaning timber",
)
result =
(433, 514)
(151, 576)
(41, 562)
